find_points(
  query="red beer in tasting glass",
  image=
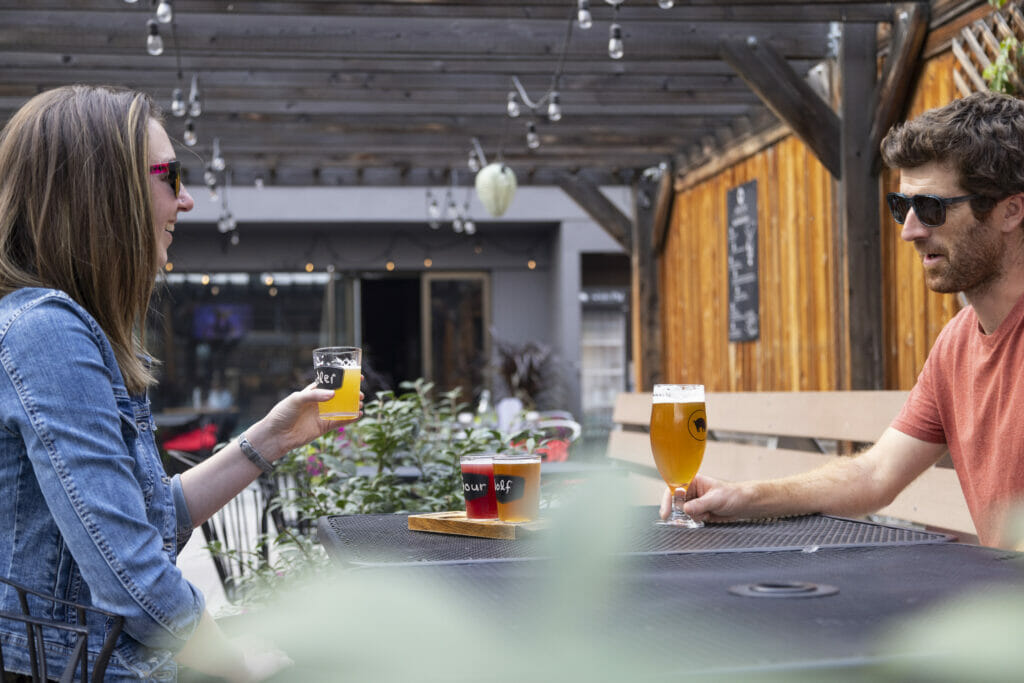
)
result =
(478, 487)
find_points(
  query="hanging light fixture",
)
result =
(615, 47)
(512, 106)
(583, 16)
(495, 184)
(532, 139)
(190, 137)
(217, 162)
(195, 104)
(178, 107)
(164, 12)
(154, 43)
(554, 107)
(666, 4)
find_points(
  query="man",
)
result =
(961, 204)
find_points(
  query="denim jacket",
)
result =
(89, 514)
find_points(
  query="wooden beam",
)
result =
(859, 216)
(910, 30)
(589, 198)
(652, 220)
(787, 95)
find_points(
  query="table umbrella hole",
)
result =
(783, 589)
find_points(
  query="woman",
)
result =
(89, 194)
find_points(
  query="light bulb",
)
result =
(234, 239)
(209, 177)
(217, 162)
(583, 17)
(554, 108)
(473, 162)
(164, 13)
(222, 224)
(154, 43)
(666, 4)
(469, 226)
(190, 133)
(457, 224)
(177, 103)
(389, 266)
(531, 264)
(428, 262)
(131, 2)
(434, 224)
(615, 47)
(532, 139)
(232, 223)
(258, 182)
(195, 106)
(513, 106)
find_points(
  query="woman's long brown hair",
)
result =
(75, 209)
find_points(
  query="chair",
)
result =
(36, 629)
(559, 433)
(236, 533)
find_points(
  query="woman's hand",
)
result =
(293, 422)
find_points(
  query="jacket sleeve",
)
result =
(86, 458)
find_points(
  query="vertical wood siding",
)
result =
(800, 303)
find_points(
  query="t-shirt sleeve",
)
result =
(920, 417)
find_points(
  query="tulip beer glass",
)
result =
(678, 429)
(339, 368)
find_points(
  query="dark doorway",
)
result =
(391, 332)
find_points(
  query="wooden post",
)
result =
(859, 237)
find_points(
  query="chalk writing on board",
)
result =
(744, 294)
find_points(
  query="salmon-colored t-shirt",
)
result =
(970, 396)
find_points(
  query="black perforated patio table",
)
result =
(799, 599)
(372, 539)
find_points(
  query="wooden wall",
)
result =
(801, 297)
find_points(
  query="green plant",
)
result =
(998, 73)
(356, 469)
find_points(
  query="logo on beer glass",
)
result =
(697, 424)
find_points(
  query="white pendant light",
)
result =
(495, 185)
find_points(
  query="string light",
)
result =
(615, 47)
(531, 264)
(178, 103)
(389, 266)
(217, 162)
(554, 108)
(190, 133)
(583, 16)
(195, 105)
(666, 4)
(512, 107)
(154, 43)
(309, 267)
(164, 12)
(532, 139)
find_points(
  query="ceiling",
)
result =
(310, 92)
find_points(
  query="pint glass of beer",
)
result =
(517, 487)
(679, 427)
(478, 486)
(339, 368)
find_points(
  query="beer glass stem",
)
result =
(678, 517)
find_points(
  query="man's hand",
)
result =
(710, 500)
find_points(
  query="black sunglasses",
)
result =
(930, 209)
(173, 171)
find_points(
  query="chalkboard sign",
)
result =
(744, 295)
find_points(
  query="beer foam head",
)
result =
(677, 393)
